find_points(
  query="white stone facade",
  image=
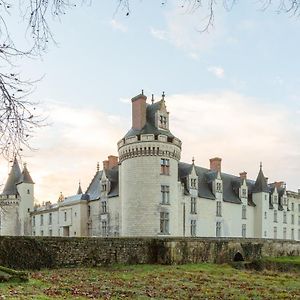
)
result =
(147, 191)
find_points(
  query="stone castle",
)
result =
(147, 191)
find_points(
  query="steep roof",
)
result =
(150, 127)
(14, 176)
(25, 176)
(79, 191)
(261, 184)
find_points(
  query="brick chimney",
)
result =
(112, 161)
(279, 184)
(139, 111)
(243, 175)
(215, 164)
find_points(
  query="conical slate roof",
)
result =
(261, 184)
(25, 176)
(14, 176)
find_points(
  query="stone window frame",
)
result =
(292, 219)
(284, 217)
(284, 233)
(164, 222)
(292, 234)
(165, 194)
(244, 230)
(193, 205)
(163, 121)
(219, 208)
(218, 229)
(193, 183)
(165, 166)
(104, 207)
(104, 228)
(50, 218)
(219, 187)
(275, 216)
(42, 220)
(193, 228)
(244, 212)
(275, 232)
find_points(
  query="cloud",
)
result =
(240, 129)
(125, 100)
(217, 71)
(184, 31)
(118, 25)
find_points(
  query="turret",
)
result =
(148, 158)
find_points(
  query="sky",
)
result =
(232, 92)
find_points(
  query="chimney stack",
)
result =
(112, 161)
(139, 111)
(105, 165)
(279, 184)
(215, 164)
(243, 175)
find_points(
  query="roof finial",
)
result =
(142, 92)
(193, 160)
(98, 166)
(25, 165)
(152, 99)
(260, 166)
(163, 95)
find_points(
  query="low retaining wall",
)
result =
(51, 252)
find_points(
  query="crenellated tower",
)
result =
(148, 173)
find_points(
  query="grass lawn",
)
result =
(198, 281)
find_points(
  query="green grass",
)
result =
(197, 281)
(285, 259)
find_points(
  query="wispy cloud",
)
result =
(117, 25)
(217, 71)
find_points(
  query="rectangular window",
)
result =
(298, 234)
(89, 211)
(50, 218)
(103, 187)
(299, 208)
(219, 209)
(50, 232)
(164, 222)
(275, 199)
(299, 220)
(163, 121)
(193, 227)
(42, 220)
(244, 212)
(284, 233)
(292, 219)
(243, 230)
(104, 207)
(33, 220)
(218, 229)
(275, 216)
(292, 234)
(219, 187)
(266, 215)
(165, 194)
(244, 192)
(275, 232)
(28, 191)
(284, 217)
(104, 228)
(292, 206)
(193, 183)
(65, 216)
(42, 232)
(164, 166)
(193, 205)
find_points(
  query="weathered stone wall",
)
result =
(50, 252)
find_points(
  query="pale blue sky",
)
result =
(246, 67)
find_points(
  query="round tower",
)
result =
(148, 171)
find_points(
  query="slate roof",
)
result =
(79, 191)
(150, 127)
(14, 176)
(25, 176)
(261, 184)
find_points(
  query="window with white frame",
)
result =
(218, 208)
(275, 199)
(218, 229)
(104, 228)
(193, 183)
(104, 187)
(163, 121)
(219, 187)
(42, 220)
(104, 207)
(243, 230)
(193, 227)
(244, 212)
(275, 232)
(292, 234)
(164, 166)
(33, 221)
(50, 218)
(65, 216)
(244, 192)
(292, 219)
(284, 217)
(275, 216)
(165, 194)
(164, 222)
(193, 205)
(292, 206)
(284, 233)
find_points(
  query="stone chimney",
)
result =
(215, 164)
(279, 184)
(139, 111)
(105, 165)
(112, 161)
(243, 175)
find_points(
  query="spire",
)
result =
(152, 99)
(98, 167)
(261, 185)
(10, 187)
(193, 160)
(25, 176)
(79, 191)
(163, 96)
(61, 197)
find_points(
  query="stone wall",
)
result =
(50, 252)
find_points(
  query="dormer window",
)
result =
(244, 192)
(219, 187)
(193, 183)
(275, 199)
(163, 121)
(104, 187)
